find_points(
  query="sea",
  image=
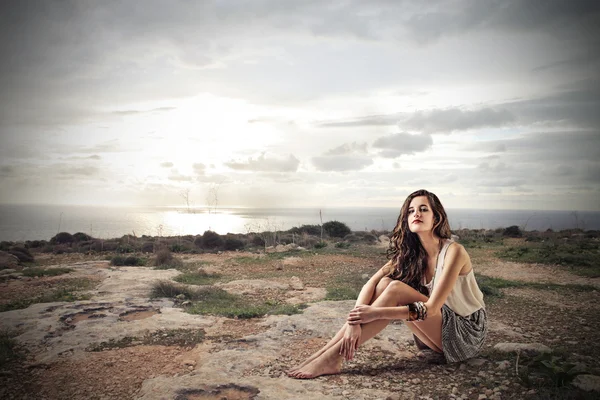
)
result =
(42, 222)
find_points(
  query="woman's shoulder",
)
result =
(456, 250)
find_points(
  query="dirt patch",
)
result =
(229, 392)
(532, 273)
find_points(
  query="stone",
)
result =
(8, 261)
(296, 283)
(524, 347)
(476, 362)
(587, 382)
(502, 365)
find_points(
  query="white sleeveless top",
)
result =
(465, 297)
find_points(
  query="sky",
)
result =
(278, 103)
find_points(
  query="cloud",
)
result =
(176, 176)
(395, 145)
(348, 148)
(576, 105)
(199, 168)
(166, 164)
(264, 164)
(347, 157)
(137, 112)
(341, 162)
(433, 121)
(372, 120)
(75, 171)
(455, 119)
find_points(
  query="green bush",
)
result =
(31, 272)
(342, 245)
(81, 237)
(309, 229)
(336, 229)
(62, 238)
(233, 244)
(320, 245)
(165, 259)
(512, 231)
(211, 240)
(132, 261)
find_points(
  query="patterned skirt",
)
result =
(462, 337)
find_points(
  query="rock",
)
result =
(188, 362)
(8, 270)
(589, 383)
(8, 261)
(525, 347)
(416, 381)
(502, 365)
(476, 362)
(296, 283)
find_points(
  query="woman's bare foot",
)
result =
(308, 360)
(326, 364)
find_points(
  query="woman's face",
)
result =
(420, 215)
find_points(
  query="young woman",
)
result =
(428, 282)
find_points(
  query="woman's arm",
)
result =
(456, 258)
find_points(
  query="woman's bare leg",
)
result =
(330, 362)
(428, 333)
(379, 289)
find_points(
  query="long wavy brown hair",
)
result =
(407, 254)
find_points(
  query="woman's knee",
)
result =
(383, 284)
(397, 286)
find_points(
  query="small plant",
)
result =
(199, 277)
(549, 368)
(320, 245)
(342, 245)
(7, 347)
(31, 272)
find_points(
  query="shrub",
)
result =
(233, 244)
(211, 240)
(127, 261)
(336, 229)
(164, 258)
(21, 253)
(35, 244)
(147, 247)
(81, 237)
(61, 249)
(62, 238)
(257, 241)
(342, 245)
(512, 231)
(4, 246)
(309, 229)
(320, 245)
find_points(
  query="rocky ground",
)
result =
(120, 344)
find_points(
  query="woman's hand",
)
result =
(350, 341)
(363, 314)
